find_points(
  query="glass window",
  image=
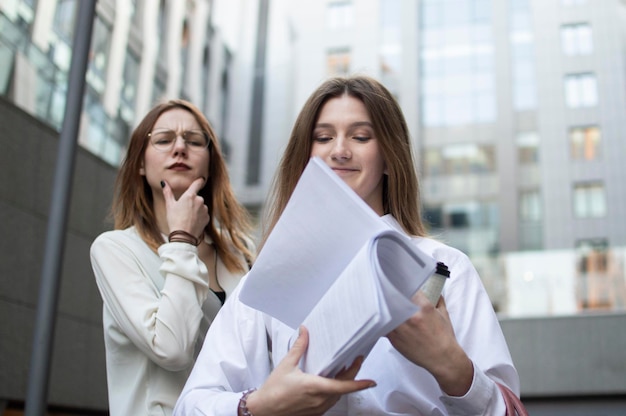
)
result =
(432, 111)
(457, 63)
(225, 92)
(340, 15)
(576, 39)
(457, 109)
(338, 62)
(530, 206)
(523, 60)
(64, 17)
(472, 214)
(100, 45)
(136, 13)
(521, 20)
(485, 109)
(573, 2)
(519, 4)
(63, 28)
(524, 97)
(129, 87)
(598, 285)
(456, 12)
(461, 159)
(391, 38)
(528, 148)
(432, 14)
(163, 31)
(581, 90)
(589, 200)
(433, 216)
(20, 12)
(432, 162)
(585, 143)
(481, 10)
(158, 88)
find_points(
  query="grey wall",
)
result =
(27, 161)
(570, 365)
(569, 355)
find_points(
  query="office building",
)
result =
(517, 110)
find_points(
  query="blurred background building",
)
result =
(517, 109)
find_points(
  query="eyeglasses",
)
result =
(163, 140)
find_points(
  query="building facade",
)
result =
(517, 110)
(517, 113)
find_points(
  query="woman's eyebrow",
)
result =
(353, 125)
(361, 124)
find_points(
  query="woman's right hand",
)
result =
(289, 391)
(189, 212)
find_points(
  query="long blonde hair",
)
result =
(400, 186)
(133, 200)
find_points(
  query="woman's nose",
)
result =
(180, 145)
(340, 150)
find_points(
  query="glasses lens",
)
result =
(196, 139)
(163, 140)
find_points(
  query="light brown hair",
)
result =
(133, 200)
(400, 186)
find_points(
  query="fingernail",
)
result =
(373, 384)
(162, 184)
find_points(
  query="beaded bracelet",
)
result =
(243, 405)
(182, 236)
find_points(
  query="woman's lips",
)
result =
(179, 167)
(343, 171)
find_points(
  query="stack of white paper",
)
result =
(334, 266)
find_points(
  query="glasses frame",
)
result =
(183, 135)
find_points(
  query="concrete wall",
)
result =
(580, 355)
(570, 365)
(27, 163)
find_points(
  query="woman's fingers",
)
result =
(298, 348)
(350, 372)
(195, 186)
(189, 212)
(193, 189)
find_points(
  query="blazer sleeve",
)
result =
(162, 323)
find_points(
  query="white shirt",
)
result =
(235, 357)
(156, 309)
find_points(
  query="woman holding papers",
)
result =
(445, 359)
(178, 249)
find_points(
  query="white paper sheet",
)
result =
(368, 300)
(332, 264)
(323, 226)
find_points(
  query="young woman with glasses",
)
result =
(180, 246)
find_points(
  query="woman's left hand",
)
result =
(188, 212)
(427, 339)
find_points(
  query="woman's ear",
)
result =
(142, 170)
